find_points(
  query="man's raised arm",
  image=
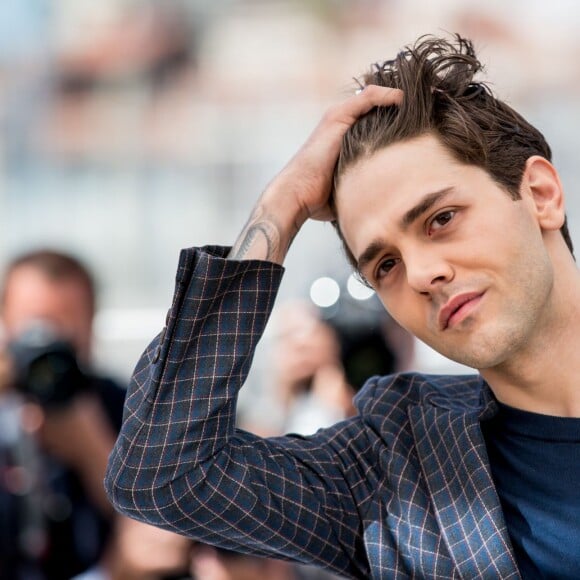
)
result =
(179, 462)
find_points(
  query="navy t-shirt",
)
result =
(535, 463)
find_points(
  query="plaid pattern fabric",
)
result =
(403, 490)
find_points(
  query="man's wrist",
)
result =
(269, 232)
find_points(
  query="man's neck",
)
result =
(543, 376)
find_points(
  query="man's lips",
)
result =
(457, 308)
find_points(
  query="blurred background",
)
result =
(132, 128)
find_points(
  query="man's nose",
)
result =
(427, 271)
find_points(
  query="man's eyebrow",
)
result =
(424, 204)
(369, 254)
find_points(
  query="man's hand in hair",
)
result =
(301, 190)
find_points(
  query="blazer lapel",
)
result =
(454, 461)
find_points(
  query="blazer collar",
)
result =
(454, 461)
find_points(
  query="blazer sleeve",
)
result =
(181, 464)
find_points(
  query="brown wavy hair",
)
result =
(442, 98)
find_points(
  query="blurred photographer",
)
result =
(58, 421)
(308, 371)
(69, 417)
(319, 362)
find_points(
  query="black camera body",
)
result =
(46, 367)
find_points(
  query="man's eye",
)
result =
(386, 266)
(441, 220)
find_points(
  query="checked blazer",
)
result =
(402, 490)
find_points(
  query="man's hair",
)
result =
(441, 98)
(57, 267)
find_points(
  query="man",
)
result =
(48, 300)
(64, 419)
(448, 204)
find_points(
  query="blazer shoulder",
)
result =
(381, 394)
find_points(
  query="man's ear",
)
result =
(541, 185)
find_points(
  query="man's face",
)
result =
(30, 297)
(453, 258)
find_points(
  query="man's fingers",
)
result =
(374, 96)
(362, 102)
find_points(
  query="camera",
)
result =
(46, 367)
(364, 353)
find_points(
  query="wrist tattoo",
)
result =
(258, 228)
